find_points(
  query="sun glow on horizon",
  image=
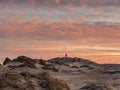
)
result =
(50, 28)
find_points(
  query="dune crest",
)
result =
(61, 73)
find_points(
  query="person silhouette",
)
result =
(66, 55)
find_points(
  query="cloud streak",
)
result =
(49, 28)
(69, 3)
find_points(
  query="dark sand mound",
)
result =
(7, 60)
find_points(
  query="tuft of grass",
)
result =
(50, 67)
(25, 81)
(95, 86)
(86, 66)
(9, 79)
(26, 60)
(27, 76)
(52, 84)
(42, 62)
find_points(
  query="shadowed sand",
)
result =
(62, 73)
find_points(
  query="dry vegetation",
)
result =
(24, 73)
(24, 81)
(52, 84)
(26, 61)
(95, 86)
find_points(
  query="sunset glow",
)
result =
(50, 28)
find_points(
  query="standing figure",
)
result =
(66, 55)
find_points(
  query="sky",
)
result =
(50, 28)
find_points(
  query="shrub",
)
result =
(52, 84)
(26, 60)
(26, 81)
(27, 75)
(9, 79)
(50, 67)
(42, 62)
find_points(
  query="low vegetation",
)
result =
(9, 79)
(26, 81)
(26, 61)
(52, 84)
(95, 86)
(50, 67)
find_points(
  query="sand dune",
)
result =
(62, 73)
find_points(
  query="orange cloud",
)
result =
(51, 39)
(53, 27)
(58, 1)
(63, 30)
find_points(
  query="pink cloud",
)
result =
(46, 39)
